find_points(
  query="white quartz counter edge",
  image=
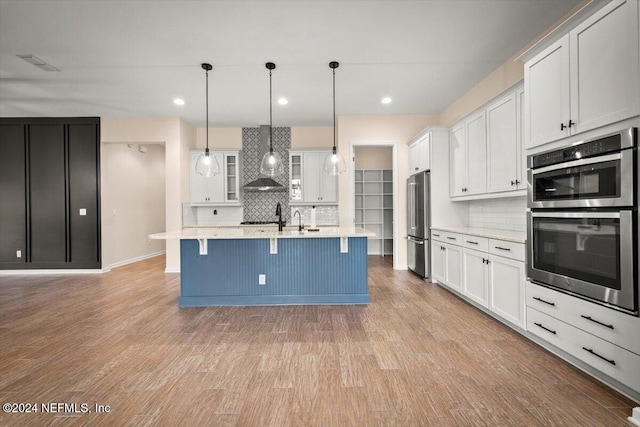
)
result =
(248, 233)
(491, 233)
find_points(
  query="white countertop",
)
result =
(260, 233)
(491, 233)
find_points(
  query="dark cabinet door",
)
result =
(13, 218)
(83, 193)
(47, 193)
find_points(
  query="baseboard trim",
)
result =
(51, 271)
(172, 270)
(136, 259)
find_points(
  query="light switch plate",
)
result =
(83, 212)
(262, 279)
(18, 254)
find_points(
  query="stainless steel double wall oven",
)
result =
(583, 220)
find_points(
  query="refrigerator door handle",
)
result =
(412, 205)
(411, 239)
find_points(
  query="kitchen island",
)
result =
(225, 266)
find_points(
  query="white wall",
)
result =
(374, 157)
(179, 137)
(133, 201)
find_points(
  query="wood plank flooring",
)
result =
(416, 356)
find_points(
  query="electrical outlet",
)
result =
(83, 212)
(18, 254)
(262, 279)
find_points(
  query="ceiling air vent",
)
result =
(32, 59)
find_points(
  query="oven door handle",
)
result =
(575, 215)
(581, 162)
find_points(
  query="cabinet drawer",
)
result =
(507, 249)
(453, 238)
(549, 329)
(614, 361)
(610, 325)
(437, 235)
(478, 243)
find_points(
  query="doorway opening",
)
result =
(374, 201)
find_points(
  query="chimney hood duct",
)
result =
(263, 184)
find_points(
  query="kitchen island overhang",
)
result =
(222, 266)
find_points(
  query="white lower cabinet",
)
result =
(453, 266)
(506, 289)
(466, 264)
(437, 261)
(476, 278)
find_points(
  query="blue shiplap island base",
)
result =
(303, 271)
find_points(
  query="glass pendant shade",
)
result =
(271, 164)
(207, 164)
(334, 163)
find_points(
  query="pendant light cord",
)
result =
(334, 110)
(207, 108)
(270, 117)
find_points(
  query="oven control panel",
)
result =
(580, 151)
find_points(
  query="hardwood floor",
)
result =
(416, 356)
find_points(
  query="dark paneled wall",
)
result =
(49, 172)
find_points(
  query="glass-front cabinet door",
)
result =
(231, 173)
(295, 189)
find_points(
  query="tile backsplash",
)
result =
(259, 205)
(504, 214)
(325, 215)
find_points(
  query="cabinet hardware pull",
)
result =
(502, 249)
(473, 243)
(613, 362)
(571, 123)
(436, 235)
(513, 183)
(451, 238)
(546, 329)
(595, 321)
(416, 168)
(442, 248)
(562, 126)
(546, 302)
(517, 182)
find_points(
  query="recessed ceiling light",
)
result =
(283, 101)
(386, 100)
(178, 101)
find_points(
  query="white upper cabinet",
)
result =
(458, 160)
(547, 94)
(308, 183)
(476, 143)
(503, 141)
(468, 157)
(603, 50)
(419, 154)
(521, 159)
(587, 79)
(486, 155)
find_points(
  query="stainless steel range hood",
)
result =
(263, 183)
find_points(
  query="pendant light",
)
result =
(334, 163)
(206, 164)
(271, 164)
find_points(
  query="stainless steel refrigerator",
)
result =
(418, 224)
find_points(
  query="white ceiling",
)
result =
(132, 58)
